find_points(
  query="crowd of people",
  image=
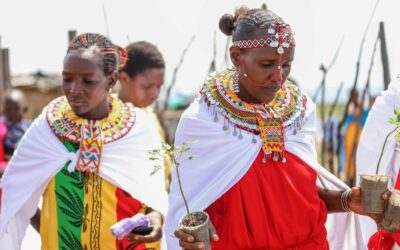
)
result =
(83, 166)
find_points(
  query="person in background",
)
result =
(14, 108)
(140, 82)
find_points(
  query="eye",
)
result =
(67, 79)
(266, 65)
(287, 64)
(89, 81)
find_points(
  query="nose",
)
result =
(277, 76)
(75, 88)
(154, 93)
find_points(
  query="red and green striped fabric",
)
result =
(79, 209)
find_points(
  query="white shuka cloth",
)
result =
(372, 139)
(41, 155)
(221, 160)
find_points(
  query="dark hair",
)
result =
(246, 22)
(141, 56)
(112, 56)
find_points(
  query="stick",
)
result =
(173, 81)
(105, 19)
(328, 68)
(213, 61)
(361, 106)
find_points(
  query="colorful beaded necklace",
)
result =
(267, 120)
(90, 134)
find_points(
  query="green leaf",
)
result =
(396, 111)
(393, 121)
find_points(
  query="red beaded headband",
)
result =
(279, 36)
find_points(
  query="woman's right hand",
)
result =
(186, 241)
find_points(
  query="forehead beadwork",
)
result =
(279, 35)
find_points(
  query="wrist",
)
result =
(344, 200)
(155, 218)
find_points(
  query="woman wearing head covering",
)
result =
(255, 169)
(373, 136)
(87, 154)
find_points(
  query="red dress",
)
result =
(274, 206)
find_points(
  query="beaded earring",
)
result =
(236, 81)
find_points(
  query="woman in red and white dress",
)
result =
(254, 169)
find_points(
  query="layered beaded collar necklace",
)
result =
(267, 120)
(90, 134)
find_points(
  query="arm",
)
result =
(332, 200)
(35, 221)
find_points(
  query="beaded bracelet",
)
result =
(344, 200)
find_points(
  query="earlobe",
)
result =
(123, 77)
(112, 80)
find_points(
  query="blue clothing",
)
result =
(14, 135)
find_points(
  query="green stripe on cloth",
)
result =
(69, 199)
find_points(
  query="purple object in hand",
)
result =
(125, 226)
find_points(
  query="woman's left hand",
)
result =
(354, 203)
(155, 219)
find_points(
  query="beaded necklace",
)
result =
(90, 134)
(267, 120)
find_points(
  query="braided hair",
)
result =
(246, 22)
(112, 56)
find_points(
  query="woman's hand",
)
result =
(186, 241)
(354, 202)
(155, 219)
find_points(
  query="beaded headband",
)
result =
(279, 35)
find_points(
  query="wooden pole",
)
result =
(71, 35)
(2, 88)
(213, 64)
(384, 55)
(6, 69)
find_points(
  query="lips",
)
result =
(273, 88)
(76, 103)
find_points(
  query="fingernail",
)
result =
(385, 196)
(190, 239)
(201, 246)
(216, 237)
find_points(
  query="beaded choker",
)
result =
(267, 120)
(90, 134)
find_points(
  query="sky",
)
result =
(36, 34)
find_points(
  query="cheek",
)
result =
(65, 88)
(286, 73)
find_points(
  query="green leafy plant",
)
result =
(174, 153)
(396, 123)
